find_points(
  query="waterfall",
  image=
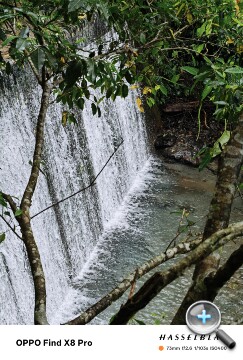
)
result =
(65, 234)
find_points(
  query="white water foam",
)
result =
(67, 234)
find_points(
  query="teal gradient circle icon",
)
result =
(203, 317)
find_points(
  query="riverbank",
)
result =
(180, 135)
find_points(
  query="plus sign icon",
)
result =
(204, 317)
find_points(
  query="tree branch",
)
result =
(81, 190)
(224, 273)
(10, 201)
(35, 71)
(119, 290)
(24, 219)
(10, 227)
(159, 280)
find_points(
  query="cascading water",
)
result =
(66, 234)
(91, 241)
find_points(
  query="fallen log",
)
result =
(181, 106)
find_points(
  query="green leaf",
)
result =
(94, 108)
(72, 119)
(87, 94)
(221, 103)
(74, 5)
(175, 78)
(92, 70)
(163, 90)
(84, 84)
(80, 103)
(140, 322)
(101, 99)
(234, 70)
(176, 212)
(22, 40)
(128, 77)
(202, 75)
(109, 92)
(52, 61)
(2, 201)
(2, 237)
(8, 40)
(84, 4)
(74, 71)
(24, 32)
(205, 160)
(142, 38)
(209, 27)
(18, 212)
(124, 90)
(117, 93)
(201, 30)
(150, 101)
(21, 44)
(220, 143)
(191, 70)
(100, 49)
(183, 228)
(33, 15)
(38, 58)
(199, 48)
(206, 91)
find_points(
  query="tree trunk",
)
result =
(218, 217)
(25, 221)
(224, 273)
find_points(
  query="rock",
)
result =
(183, 153)
(164, 141)
(181, 147)
(184, 150)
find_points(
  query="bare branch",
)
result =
(133, 284)
(178, 233)
(35, 71)
(10, 227)
(10, 201)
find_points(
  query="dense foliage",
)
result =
(157, 43)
